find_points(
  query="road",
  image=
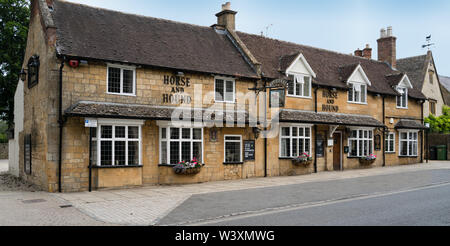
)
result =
(408, 199)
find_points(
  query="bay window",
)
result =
(360, 143)
(409, 143)
(117, 145)
(180, 144)
(294, 141)
(299, 86)
(357, 93)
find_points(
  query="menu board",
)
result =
(249, 150)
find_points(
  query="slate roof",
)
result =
(409, 124)
(88, 32)
(146, 112)
(445, 85)
(416, 68)
(328, 118)
(331, 68)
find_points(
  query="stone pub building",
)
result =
(101, 87)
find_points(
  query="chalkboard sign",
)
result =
(27, 154)
(249, 150)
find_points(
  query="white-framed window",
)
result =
(180, 144)
(390, 143)
(232, 148)
(294, 141)
(357, 93)
(360, 143)
(121, 80)
(117, 145)
(225, 90)
(299, 85)
(402, 100)
(409, 143)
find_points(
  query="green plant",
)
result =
(440, 124)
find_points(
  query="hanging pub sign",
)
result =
(249, 150)
(277, 98)
(27, 154)
(177, 92)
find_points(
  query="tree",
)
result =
(14, 19)
(440, 124)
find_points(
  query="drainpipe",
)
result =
(61, 125)
(384, 131)
(423, 122)
(315, 130)
(265, 129)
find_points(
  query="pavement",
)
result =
(163, 205)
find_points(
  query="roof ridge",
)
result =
(406, 58)
(312, 47)
(133, 14)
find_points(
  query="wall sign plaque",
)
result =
(27, 154)
(377, 142)
(331, 97)
(249, 150)
(177, 94)
(277, 98)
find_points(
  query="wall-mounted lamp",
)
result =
(23, 75)
(256, 132)
(180, 74)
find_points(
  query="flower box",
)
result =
(304, 159)
(188, 168)
(368, 160)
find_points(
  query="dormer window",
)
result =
(299, 86)
(402, 100)
(357, 93)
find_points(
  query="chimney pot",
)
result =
(227, 17)
(389, 31)
(358, 53)
(226, 6)
(383, 33)
(367, 52)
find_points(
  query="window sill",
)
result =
(172, 165)
(402, 156)
(285, 158)
(390, 153)
(129, 166)
(302, 97)
(357, 103)
(233, 163)
(121, 94)
(402, 108)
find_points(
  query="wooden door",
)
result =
(337, 151)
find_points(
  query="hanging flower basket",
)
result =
(368, 160)
(303, 160)
(188, 168)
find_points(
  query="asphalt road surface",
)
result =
(419, 198)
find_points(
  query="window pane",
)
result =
(128, 81)
(163, 152)
(301, 132)
(295, 147)
(294, 131)
(133, 153)
(285, 131)
(94, 153)
(307, 132)
(106, 153)
(357, 96)
(229, 95)
(219, 89)
(285, 147)
(350, 93)
(231, 138)
(163, 133)
(120, 131)
(307, 146)
(301, 147)
(391, 147)
(174, 133)
(363, 93)
(197, 134)
(114, 80)
(298, 89)
(353, 148)
(119, 153)
(186, 151)
(404, 148)
(174, 152)
(291, 86)
(197, 151)
(232, 152)
(186, 133)
(106, 132)
(306, 87)
(133, 132)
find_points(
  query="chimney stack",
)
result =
(227, 17)
(367, 52)
(387, 47)
(359, 53)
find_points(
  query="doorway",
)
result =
(337, 151)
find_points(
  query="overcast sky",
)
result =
(342, 26)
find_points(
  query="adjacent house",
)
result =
(445, 86)
(424, 76)
(116, 100)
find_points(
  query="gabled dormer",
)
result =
(300, 75)
(401, 84)
(357, 82)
